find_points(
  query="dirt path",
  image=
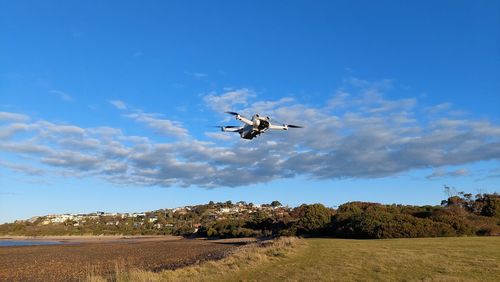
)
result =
(75, 261)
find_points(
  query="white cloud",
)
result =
(440, 108)
(28, 147)
(26, 169)
(154, 121)
(15, 117)
(197, 75)
(161, 126)
(338, 100)
(72, 160)
(218, 136)
(441, 173)
(63, 95)
(118, 104)
(359, 135)
(11, 129)
(227, 101)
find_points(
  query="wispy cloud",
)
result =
(118, 104)
(441, 173)
(197, 75)
(229, 100)
(63, 95)
(25, 169)
(161, 126)
(77, 34)
(5, 193)
(13, 117)
(154, 121)
(11, 129)
(218, 136)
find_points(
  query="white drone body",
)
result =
(254, 127)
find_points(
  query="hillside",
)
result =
(460, 215)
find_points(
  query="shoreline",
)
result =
(84, 239)
(92, 238)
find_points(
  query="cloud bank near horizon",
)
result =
(355, 133)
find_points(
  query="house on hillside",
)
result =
(180, 211)
(224, 210)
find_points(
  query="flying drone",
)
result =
(254, 127)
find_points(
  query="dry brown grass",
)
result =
(246, 256)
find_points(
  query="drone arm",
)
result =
(244, 120)
(278, 127)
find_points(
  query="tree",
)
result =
(161, 217)
(449, 191)
(491, 205)
(313, 218)
(275, 204)
(169, 214)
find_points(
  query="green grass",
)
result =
(429, 259)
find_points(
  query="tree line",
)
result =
(459, 215)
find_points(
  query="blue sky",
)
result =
(107, 106)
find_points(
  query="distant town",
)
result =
(177, 221)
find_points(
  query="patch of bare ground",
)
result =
(245, 257)
(77, 261)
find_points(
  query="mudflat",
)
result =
(82, 257)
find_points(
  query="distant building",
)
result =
(224, 210)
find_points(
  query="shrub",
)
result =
(312, 219)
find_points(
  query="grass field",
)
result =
(473, 258)
(429, 259)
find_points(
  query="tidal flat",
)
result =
(79, 257)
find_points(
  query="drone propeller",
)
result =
(233, 113)
(226, 126)
(286, 125)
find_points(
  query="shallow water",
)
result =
(27, 243)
